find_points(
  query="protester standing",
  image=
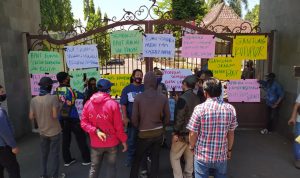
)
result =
(90, 89)
(149, 121)
(102, 120)
(211, 134)
(183, 111)
(70, 120)
(8, 146)
(44, 109)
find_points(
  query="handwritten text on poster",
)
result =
(159, 45)
(119, 81)
(243, 91)
(40, 62)
(34, 82)
(225, 68)
(126, 42)
(173, 78)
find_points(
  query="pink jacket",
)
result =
(104, 113)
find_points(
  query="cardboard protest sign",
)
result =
(126, 42)
(77, 80)
(173, 78)
(198, 46)
(119, 81)
(40, 62)
(243, 91)
(225, 68)
(172, 108)
(35, 79)
(82, 56)
(250, 47)
(159, 45)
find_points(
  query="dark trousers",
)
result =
(272, 114)
(50, 147)
(9, 162)
(70, 125)
(143, 146)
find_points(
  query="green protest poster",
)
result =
(126, 42)
(41, 62)
(77, 80)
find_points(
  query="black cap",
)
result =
(190, 80)
(46, 81)
(61, 76)
(271, 75)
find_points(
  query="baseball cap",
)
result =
(46, 81)
(61, 76)
(104, 84)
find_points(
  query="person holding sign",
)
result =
(44, 109)
(102, 120)
(274, 97)
(211, 132)
(8, 146)
(295, 121)
(127, 99)
(70, 120)
(150, 122)
(183, 111)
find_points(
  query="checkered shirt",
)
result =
(212, 120)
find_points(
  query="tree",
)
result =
(253, 15)
(56, 15)
(187, 9)
(236, 5)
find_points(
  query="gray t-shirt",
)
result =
(42, 106)
(298, 101)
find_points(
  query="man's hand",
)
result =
(15, 150)
(229, 154)
(292, 121)
(101, 135)
(274, 106)
(175, 138)
(125, 147)
(125, 121)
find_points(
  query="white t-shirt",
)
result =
(298, 101)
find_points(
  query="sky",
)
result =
(115, 7)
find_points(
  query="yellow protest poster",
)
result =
(119, 81)
(248, 47)
(225, 68)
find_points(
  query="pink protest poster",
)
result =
(198, 46)
(173, 78)
(35, 79)
(243, 91)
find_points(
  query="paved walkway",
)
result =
(254, 156)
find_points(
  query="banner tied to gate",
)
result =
(34, 83)
(126, 42)
(198, 46)
(41, 62)
(250, 47)
(243, 90)
(225, 68)
(173, 78)
(82, 56)
(119, 81)
(78, 76)
(159, 45)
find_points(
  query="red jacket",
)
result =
(104, 113)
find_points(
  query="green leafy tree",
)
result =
(236, 5)
(57, 15)
(187, 9)
(253, 15)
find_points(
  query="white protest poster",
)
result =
(82, 56)
(173, 78)
(172, 108)
(79, 106)
(243, 90)
(159, 45)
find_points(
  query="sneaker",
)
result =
(34, 130)
(264, 131)
(85, 163)
(143, 174)
(69, 163)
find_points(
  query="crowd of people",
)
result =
(203, 129)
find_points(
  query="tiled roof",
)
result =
(223, 15)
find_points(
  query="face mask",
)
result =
(138, 80)
(2, 97)
(159, 79)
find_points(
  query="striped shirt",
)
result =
(212, 120)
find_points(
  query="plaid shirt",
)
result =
(212, 120)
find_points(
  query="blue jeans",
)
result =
(50, 147)
(132, 139)
(297, 145)
(202, 169)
